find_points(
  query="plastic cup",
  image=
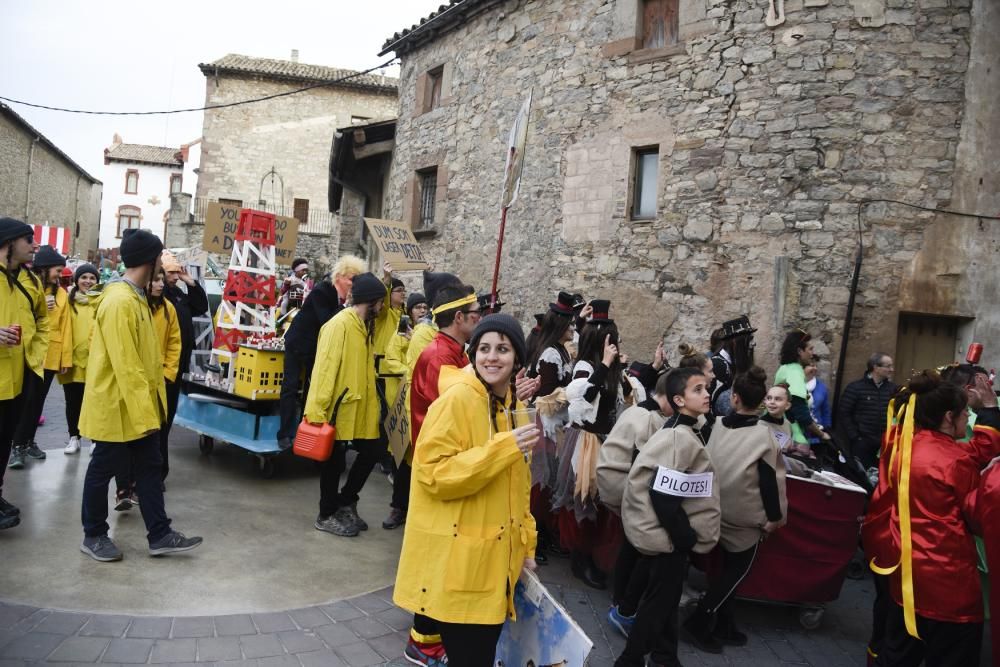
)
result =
(523, 416)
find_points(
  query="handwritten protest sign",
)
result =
(398, 245)
(221, 221)
(397, 425)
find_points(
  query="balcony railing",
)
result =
(320, 222)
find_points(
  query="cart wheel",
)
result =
(206, 444)
(266, 466)
(810, 618)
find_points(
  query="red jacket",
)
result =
(442, 351)
(987, 512)
(944, 475)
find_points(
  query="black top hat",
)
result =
(564, 304)
(484, 302)
(738, 327)
(578, 301)
(601, 308)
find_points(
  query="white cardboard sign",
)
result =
(684, 485)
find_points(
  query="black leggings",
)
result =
(73, 391)
(35, 390)
(629, 580)
(941, 644)
(330, 500)
(470, 645)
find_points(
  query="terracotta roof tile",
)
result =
(286, 70)
(447, 16)
(145, 154)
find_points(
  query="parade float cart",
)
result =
(804, 562)
(235, 397)
(244, 412)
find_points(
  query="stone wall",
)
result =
(293, 134)
(768, 139)
(59, 195)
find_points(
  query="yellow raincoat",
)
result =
(34, 321)
(82, 318)
(60, 351)
(40, 329)
(469, 526)
(421, 337)
(126, 397)
(168, 332)
(393, 367)
(345, 362)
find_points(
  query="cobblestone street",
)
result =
(360, 630)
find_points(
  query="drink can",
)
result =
(17, 328)
(974, 354)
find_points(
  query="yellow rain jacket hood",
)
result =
(126, 397)
(15, 308)
(469, 526)
(168, 332)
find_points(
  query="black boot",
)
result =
(580, 566)
(697, 630)
(726, 632)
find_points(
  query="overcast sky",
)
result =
(136, 56)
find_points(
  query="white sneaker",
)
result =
(73, 446)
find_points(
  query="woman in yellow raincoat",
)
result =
(24, 330)
(47, 267)
(469, 530)
(82, 306)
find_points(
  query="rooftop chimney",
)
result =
(117, 140)
(295, 55)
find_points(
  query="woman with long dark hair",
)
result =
(917, 530)
(796, 352)
(595, 394)
(551, 362)
(469, 531)
(47, 267)
(82, 308)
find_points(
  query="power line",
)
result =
(322, 84)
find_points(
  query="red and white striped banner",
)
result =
(57, 237)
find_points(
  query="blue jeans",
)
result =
(110, 459)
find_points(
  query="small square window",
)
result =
(644, 183)
(658, 24)
(132, 182)
(427, 184)
(238, 203)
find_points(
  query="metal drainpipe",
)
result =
(76, 214)
(27, 194)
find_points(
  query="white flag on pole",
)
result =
(515, 155)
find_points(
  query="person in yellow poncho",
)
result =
(470, 531)
(24, 329)
(342, 392)
(47, 267)
(168, 333)
(82, 305)
(125, 405)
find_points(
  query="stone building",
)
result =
(43, 186)
(693, 160)
(275, 155)
(141, 180)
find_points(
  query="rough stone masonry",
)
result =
(767, 138)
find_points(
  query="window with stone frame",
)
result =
(132, 181)
(658, 23)
(427, 197)
(128, 218)
(435, 79)
(301, 211)
(645, 176)
(176, 183)
(238, 203)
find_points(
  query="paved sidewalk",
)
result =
(358, 631)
